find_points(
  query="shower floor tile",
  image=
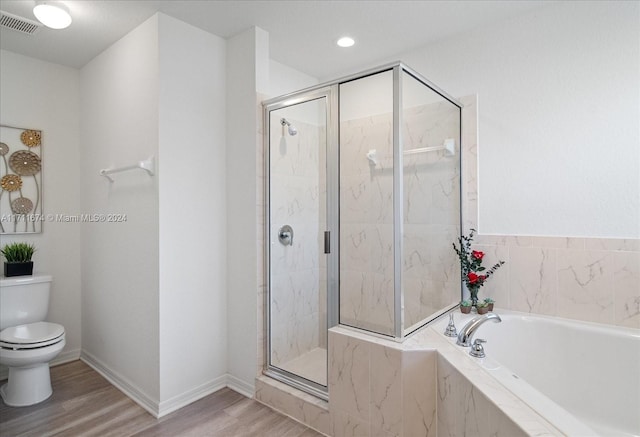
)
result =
(310, 365)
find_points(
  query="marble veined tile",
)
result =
(345, 425)
(349, 376)
(584, 284)
(626, 286)
(355, 200)
(449, 389)
(386, 390)
(533, 280)
(419, 393)
(301, 406)
(619, 244)
(558, 242)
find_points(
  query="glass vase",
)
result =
(473, 294)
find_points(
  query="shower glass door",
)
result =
(298, 253)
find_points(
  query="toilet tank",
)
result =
(24, 299)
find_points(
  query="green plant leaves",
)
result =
(18, 252)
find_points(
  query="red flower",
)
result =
(472, 277)
(477, 254)
(481, 278)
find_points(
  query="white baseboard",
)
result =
(188, 397)
(159, 409)
(242, 387)
(66, 357)
(122, 384)
(155, 408)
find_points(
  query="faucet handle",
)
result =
(451, 327)
(477, 350)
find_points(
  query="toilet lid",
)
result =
(32, 335)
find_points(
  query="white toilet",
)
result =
(27, 343)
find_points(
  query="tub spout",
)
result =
(465, 337)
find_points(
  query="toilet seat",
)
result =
(31, 336)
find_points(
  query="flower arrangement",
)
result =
(473, 274)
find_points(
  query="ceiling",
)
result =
(302, 34)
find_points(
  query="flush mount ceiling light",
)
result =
(345, 41)
(52, 14)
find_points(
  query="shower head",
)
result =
(292, 130)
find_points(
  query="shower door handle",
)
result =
(327, 241)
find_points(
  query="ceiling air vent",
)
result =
(19, 24)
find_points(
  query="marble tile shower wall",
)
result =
(431, 211)
(366, 224)
(295, 200)
(431, 218)
(589, 279)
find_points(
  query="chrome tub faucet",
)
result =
(465, 337)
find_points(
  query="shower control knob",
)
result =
(285, 235)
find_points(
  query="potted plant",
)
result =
(489, 302)
(474, 275)
(465, 306)
(482, 307)
(18, 259)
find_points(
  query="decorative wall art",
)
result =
(20, 180)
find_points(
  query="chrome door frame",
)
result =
(329, 93)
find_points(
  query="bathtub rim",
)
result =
(624, 330)
(536, 400)
(513, 408)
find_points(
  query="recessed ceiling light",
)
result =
(345, 41)
(52, 14)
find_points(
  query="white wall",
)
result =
(154, 302)
(559, 139)
(284, 79)
(120, 272)
(192, 190)
(247, 76)
(45, 96)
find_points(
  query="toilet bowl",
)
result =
(27, 350)
(27, 343)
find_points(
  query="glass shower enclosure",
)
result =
(362, 206)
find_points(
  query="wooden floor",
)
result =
(85, 404)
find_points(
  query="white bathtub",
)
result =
(584, 378)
